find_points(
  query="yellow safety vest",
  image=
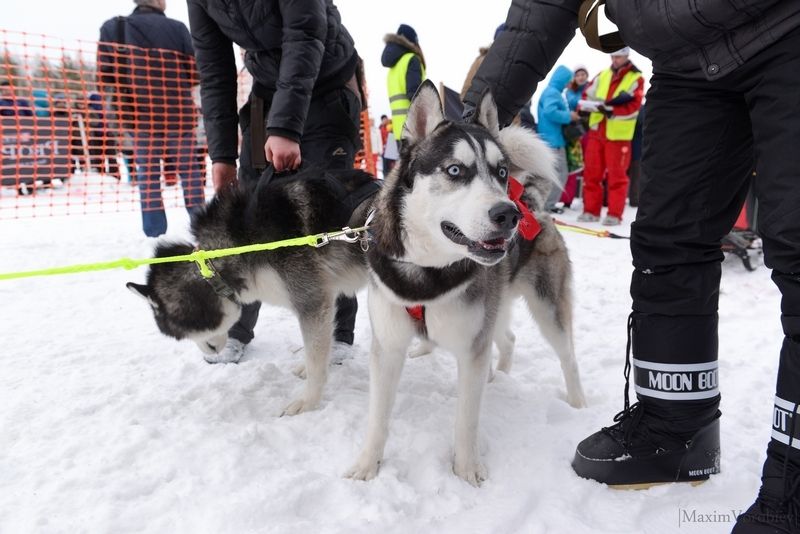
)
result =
(618, 128)
(398, 99)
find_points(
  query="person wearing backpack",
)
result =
(146, 68)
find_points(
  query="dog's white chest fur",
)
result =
(267, 286)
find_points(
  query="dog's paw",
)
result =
(576, 400)
(299, 371)
(423, 348)
(299, 406)
(472, 472)
(363, 469)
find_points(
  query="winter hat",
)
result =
(625, 52)
(500, 29)
(580, 67)
(408, 32)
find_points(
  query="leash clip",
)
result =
(349, 235)
(322, 240)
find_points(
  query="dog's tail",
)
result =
(533, 163)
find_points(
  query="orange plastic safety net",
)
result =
(91, 127)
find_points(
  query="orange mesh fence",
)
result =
(366, 158)
(91, 127)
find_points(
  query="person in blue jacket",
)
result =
(553, 114)
(575, 88)
(41, 103)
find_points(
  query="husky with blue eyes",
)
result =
(447, 262)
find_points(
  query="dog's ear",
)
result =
(424, 114)
(142, 291)
(486, 113)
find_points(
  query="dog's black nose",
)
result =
(506, 216)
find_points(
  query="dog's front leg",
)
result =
(391, 334)
(317, 338)
(473, 371)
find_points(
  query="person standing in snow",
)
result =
(575, 135)
(553, 114)
(406, 63)
(723, 92)
(150, 83)
(618, 90)
(304, 106)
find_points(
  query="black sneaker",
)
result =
(777, 508)
(639, 452)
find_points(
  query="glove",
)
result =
(606, 110)
(622, 98)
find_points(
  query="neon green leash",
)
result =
(348, 235)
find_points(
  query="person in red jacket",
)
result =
(618, 93)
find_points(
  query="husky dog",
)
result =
(303, 279)
(444, 236)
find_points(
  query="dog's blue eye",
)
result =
(503, 172)
(453, 170)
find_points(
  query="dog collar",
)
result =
(220, 286)
(211, 275)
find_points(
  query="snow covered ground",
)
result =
(108, 427)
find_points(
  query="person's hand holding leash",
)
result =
(223, 175)
(283, 153)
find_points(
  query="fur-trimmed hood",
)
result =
(396, 46)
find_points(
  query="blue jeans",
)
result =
(150, 150)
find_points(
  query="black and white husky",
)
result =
(304, 279)
(444, 237)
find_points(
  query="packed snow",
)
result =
(108, 426)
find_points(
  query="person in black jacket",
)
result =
(149, 84)
(723, 91)
(303, 62)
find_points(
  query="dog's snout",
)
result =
(504, 215)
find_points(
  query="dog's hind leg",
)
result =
(316, 326)
(504, 338)
(550, 303)
(392, 331)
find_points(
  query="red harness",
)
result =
(528, 228)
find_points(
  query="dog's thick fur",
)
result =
(442, 239)
(303, 279)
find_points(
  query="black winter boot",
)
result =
(777, 508)
(670, 435)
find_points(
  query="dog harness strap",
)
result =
(528, 227)
(218, 284)
(258, 132)
(418, 314)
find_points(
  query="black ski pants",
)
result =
(702, 140)
(331, 137)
